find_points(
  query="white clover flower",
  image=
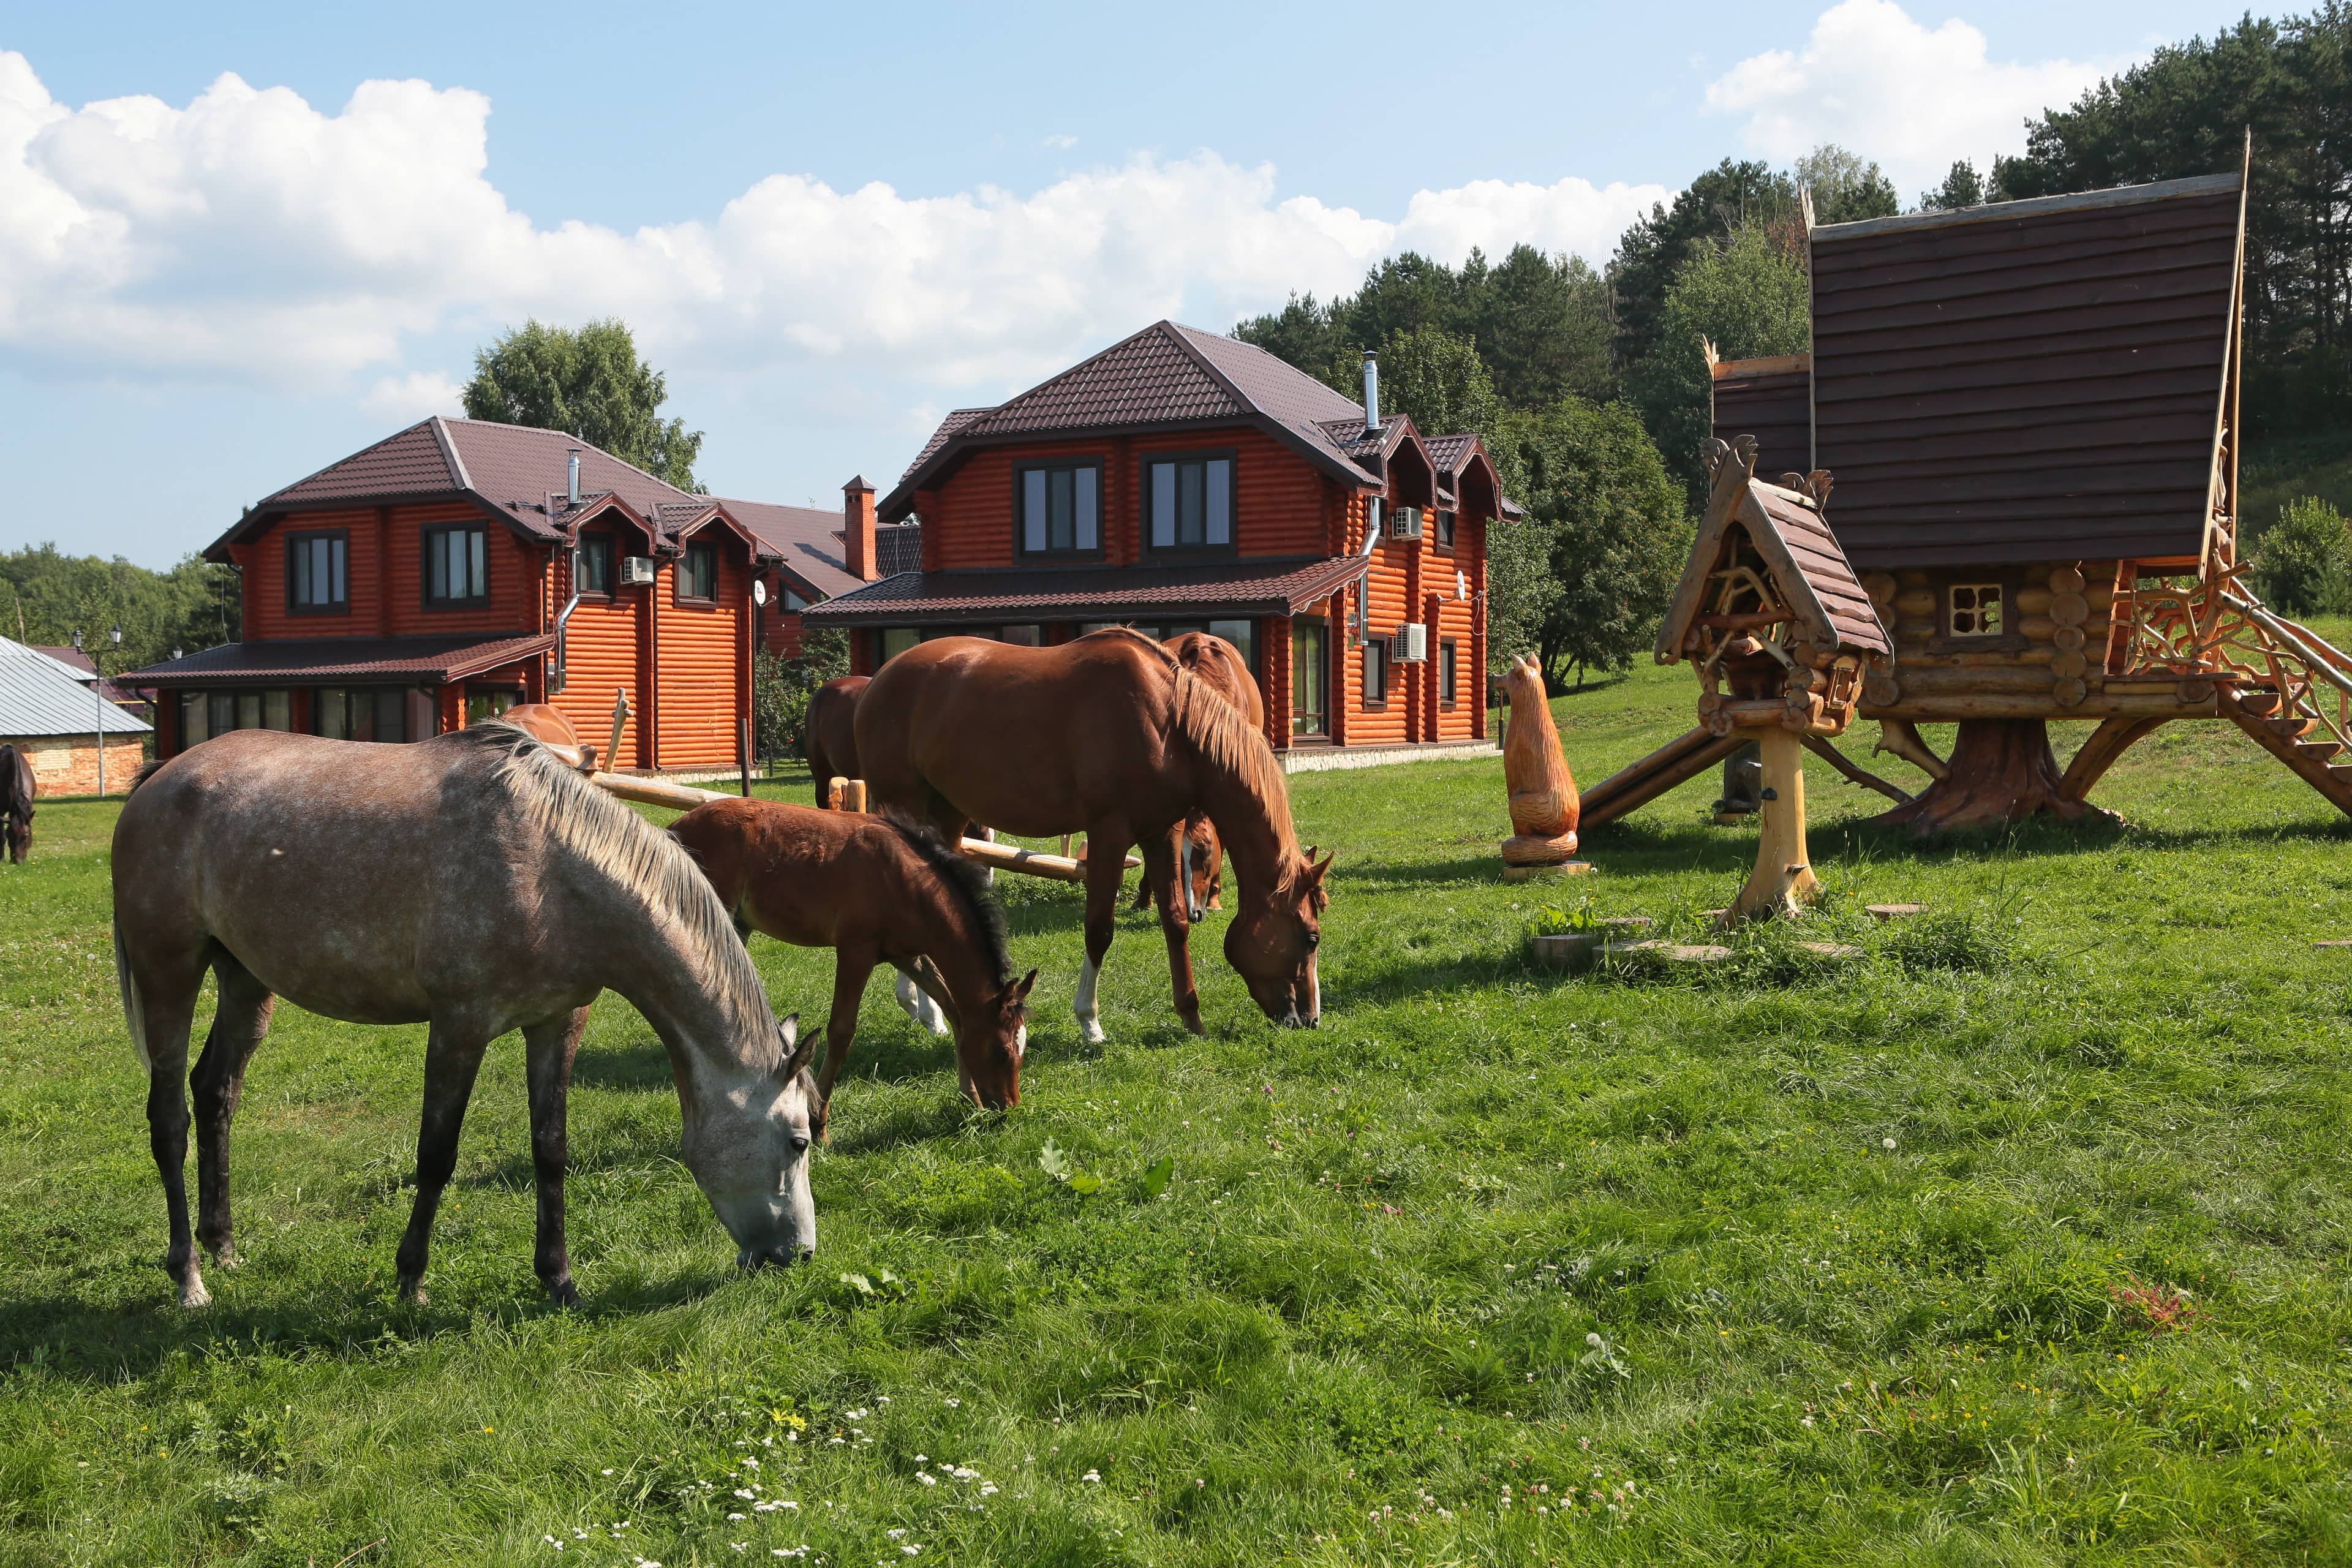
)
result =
(1886, 1143)
(953, 1404)
(927, 1480)
(1091, 1476)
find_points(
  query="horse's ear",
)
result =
(1323, 869)
(1020, 989)
(796, 1055)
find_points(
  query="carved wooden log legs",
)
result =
(2002, 770)
(1782, 882)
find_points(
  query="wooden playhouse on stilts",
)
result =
(2032, 411)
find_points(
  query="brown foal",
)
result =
(876, 891)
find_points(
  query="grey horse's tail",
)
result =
(134, 1012)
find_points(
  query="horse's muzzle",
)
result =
(751, 1261)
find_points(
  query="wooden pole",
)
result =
(743, 754)
(620, 718)
(1782, 882)
(858, 795)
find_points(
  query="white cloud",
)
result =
(404, 399)
(1064, 142)
(252, 236)
(1872, 79)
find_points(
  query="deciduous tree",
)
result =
(591, 383)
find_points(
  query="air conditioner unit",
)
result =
(636, 572)
(1412, 644)
(1404, 522)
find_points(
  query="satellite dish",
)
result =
(759, 591)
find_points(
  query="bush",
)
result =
(780, 689)
(2302, 562)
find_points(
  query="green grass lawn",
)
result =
(2022, 1240)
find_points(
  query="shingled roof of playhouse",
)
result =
(2032, 380)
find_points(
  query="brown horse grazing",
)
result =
(471, 883)
(1111, 735)
(1221, 664)
(16, 802)
(876, 891)
(829, 734)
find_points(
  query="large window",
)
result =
(204, 714)
(1307, 678)
(1376, 673)
(1188, 502)
(1059, 507)
(1445, 528)
(595, 563)
(315, 572)
(457, 567)
(897, 640)
(697, 571)
(359, 712)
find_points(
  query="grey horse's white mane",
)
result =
(643, 860)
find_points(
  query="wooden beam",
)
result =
(1821, 748)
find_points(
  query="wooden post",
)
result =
(1782, 882)
(858, 795)
(743, 754)
(620, 718)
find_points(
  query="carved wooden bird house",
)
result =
(1782, 637)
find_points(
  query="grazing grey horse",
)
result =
(16, 803)
(470, 882)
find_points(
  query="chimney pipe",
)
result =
(857, 543)
(1371, 392)
(571, 476)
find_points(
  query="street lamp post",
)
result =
(97, 694)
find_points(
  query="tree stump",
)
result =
(1544, 802)
(2000, 771)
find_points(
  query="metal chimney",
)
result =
(572, 486)
(1371, 392)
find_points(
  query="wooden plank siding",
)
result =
(1775, 408)
(2046, 383)
(704, 681)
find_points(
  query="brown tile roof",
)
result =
(1168, 375)
(807, 541)
(1814, 549)
(1809, 572)
(897, 547)
(2027, 381)
(956, 420)
(408, 660)
(1090, 593)
(412, 461)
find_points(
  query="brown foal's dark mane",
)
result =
(967, 885)
(1226, 739)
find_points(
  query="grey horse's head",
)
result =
(748, 1147)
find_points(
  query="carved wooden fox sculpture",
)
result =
(1544, 803)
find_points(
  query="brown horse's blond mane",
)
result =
(644, 862)
(1226, 739)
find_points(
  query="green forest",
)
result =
(1591, 386)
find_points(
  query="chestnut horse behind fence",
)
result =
(1109, 735)
(471, 883)
(876, 891)
(16, 802)
(829, 732)
(1221, 664)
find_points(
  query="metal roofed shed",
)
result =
(61, 724)
(2045, 379)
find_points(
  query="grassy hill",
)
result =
(2023, 1240)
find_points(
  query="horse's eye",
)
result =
(1314, 940)
(800, 1142)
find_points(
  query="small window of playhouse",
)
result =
(1975, 610)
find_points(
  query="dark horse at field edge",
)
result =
(16, 802)
(470, 882)
(1110, 735)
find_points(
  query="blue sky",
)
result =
(238, 242)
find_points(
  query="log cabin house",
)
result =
(2029, 411)
(1183, 481)
(459, 567)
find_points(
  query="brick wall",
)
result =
(67, 765)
